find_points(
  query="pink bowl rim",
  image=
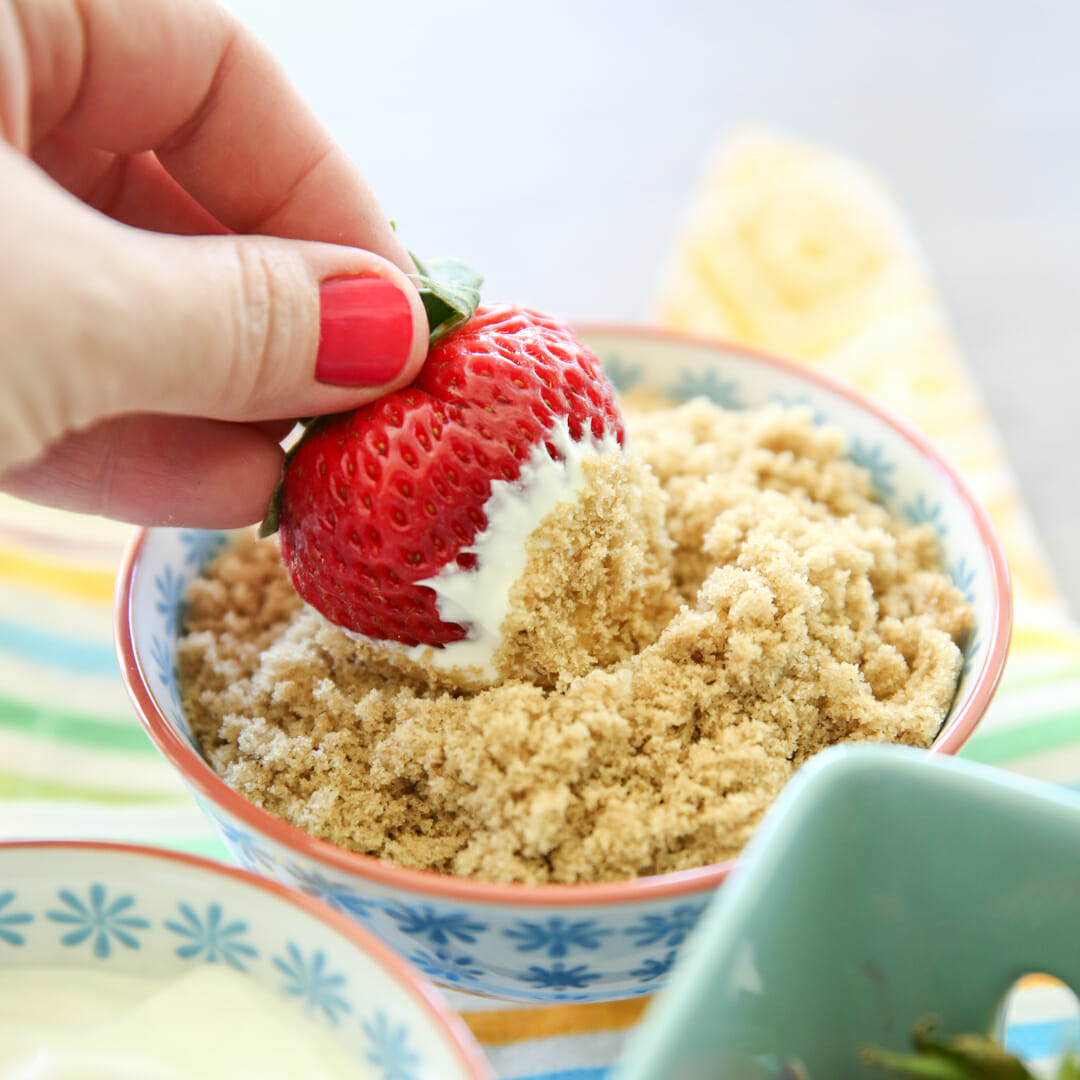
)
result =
(424, 995)
(198, 774)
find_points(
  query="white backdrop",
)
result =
(555, 145)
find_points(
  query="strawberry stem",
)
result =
(450, 291)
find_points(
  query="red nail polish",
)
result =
(365, 331)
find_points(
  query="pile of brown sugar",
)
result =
(767, 606)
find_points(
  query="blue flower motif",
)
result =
(546, 998)
(389, 1051)
(312, 983)
(210, 938)
(557, 936)
(652, 969)
(99, 920)
(922, 512)
(724, 392)
(337, 894)
(170, 595)
(971, 647)
(437, 927)
(180, 723)
(622, 376)
(669, 929)
(10, 919)
(202, 545)
(245, 848)
(560, 977)
(161, 655)
(963, 578)
(446, 967)
(871, 457)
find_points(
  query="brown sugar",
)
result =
(597, 587)
(735, 601)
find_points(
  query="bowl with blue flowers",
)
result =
(100, 910)
(565, 942)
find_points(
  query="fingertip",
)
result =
(396, 251)
(372, 331)
(264, 328)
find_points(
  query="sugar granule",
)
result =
(716, 608)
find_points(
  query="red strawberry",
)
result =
(377, 500)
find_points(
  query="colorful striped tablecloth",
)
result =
(788, 248)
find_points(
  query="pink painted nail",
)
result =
(365, 331)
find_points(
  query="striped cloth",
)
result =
(1042, 1024)
(787, 248)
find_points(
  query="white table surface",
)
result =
(555, 145)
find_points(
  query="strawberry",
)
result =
(376, 501)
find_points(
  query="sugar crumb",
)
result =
(716, 608)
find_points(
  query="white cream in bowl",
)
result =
(210, 1023)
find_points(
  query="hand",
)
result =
(152, 351)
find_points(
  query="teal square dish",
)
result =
(883, 886)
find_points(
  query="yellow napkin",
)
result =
(798, 251)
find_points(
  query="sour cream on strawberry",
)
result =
(479, 598)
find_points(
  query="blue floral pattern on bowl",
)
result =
(557, 936)
(123, 909)
(98, 920)
(592, 951)
(212, 936)
(12, 920)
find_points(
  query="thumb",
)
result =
(158, 360)
(246, 328)
(99, 320)
(103, 328)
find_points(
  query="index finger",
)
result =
(186, 79)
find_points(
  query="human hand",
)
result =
(151, 353)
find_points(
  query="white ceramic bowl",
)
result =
(563, 942)
(142, 911)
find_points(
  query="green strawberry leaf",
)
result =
(961, 1057)
(928, 1066)
(450, 291)
(272, 521)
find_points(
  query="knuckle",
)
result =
(264, 312)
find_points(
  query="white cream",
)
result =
(210, 1024)
(479, 599)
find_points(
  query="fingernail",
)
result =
(365, 331)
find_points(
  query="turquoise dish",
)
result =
(883, 886)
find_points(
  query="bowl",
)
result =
(141, 911)
(881, 887)
(587, 942)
